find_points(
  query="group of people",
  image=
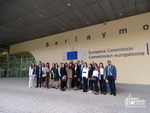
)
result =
(77, 75)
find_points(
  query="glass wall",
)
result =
(19, 64)
(14, 65)
(4, 60)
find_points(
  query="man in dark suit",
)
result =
(80, 75)
(39, 73)
(111, 75)
(78, 62)
(93, 65)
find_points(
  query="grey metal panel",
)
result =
(61, 23)
(80, 15)
(148, 5)
(120, 13)
(93, 20)
(111, 15)
(89, 14)
(128, 3)
(68, 21)
(75, 19)
(130, 11)
(105, 4)
(87, 11)
(116, 4)
(60, 8)
(65, 4)
(41, 2)
(98, 12)
(79, 3)
(53, 10)
(141, 6)
(89, 2)
(26, 5)
(8, 14)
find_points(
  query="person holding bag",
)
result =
(63, 77)
(47, 69)
(52, 75)
(69, 71)
(59, 84)
(39, 74)
(76, 72)
(56, 76)
(102, 78)
(95, 79)
(42, 78)
(90, 78)
(85, 77)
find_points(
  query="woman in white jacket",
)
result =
(32, 71)
(85, 77)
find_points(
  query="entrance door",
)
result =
(20, 64)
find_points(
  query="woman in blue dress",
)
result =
(43, 78)
(56, 76)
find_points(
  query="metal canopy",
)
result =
(23, 20)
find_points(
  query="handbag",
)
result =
(94, 78)
(63, 78)
(44, 75)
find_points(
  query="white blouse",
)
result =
(30, 71)
(85, 72)
(43, 70)
(101, 71)
(95, 73)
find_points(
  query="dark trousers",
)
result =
(102, 83)
(112, 86)
(84, 84)
(81, 84)
(47, 80)
(38, 81)
(96, 85)
(63, 83)
(72, 83)
(75, 79)
(91, 84)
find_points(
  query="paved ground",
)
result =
(16, 97)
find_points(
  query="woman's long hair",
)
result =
(43, 64)
(85, 64)
(47, 64)
(56, 65)
(90, 66)
(70, 67)
(32, 65)
(101, 64)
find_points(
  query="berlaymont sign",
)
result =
(103, 34)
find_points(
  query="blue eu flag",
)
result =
(72, 55)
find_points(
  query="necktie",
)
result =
(109, 70)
